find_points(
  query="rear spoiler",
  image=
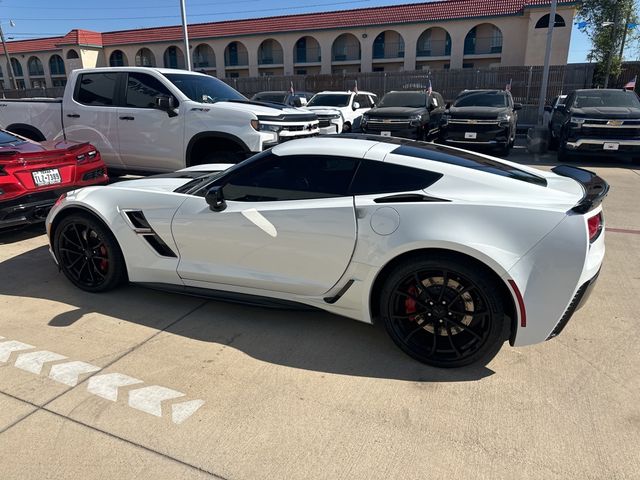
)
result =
(595, 188)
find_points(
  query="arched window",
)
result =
(72, 54)
(483, 39)
(35, 67)
(56, 65)
(145, 58)
(117, 59)
(270, 52)
(345, 47)
(173, 57)
(307, 49)
(543, 22)
(203, 57)
(236, 55)
(434, 42)
(16, 67)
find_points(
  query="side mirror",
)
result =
(517, 106)
(356, 105)
(165, 103)
(297, 102)
(215, 199)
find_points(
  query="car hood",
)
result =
(323, 110)
(262, 108)
(395, 112)
(607, 112)
(477, 112)
(162, 184)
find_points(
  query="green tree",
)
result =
(607, 29)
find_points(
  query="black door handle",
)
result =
(73, 115)
(126, 117)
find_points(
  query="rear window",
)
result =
(378, 177)
(6, 137)
(469, 160)
(330, 100)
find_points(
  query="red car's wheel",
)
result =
(88, 253)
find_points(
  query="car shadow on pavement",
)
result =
(14, 235)
(309, 340)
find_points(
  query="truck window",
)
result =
(96, 89)
(142, 90)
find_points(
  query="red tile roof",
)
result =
(409, 13)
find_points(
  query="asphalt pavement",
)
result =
(142, 384)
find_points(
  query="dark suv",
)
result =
(597, 121)
(481, 118)
(414, 115)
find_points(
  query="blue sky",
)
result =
(38, 18)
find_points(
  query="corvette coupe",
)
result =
(33, 175)
(453, 252)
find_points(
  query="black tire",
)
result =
(563, 155)
(346, 128)
(553, 141)
(88, 253)
(441, 335)
(220, 157)
(505, 150)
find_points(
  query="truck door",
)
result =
(90, 114)
(150, 139)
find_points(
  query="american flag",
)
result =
(631, 85)
(355, 86)
(430, 89)
(292, 90)
(508, 85)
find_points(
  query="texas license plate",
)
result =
(385, 133)
(610, 146)
(470, 135)
(46, 177)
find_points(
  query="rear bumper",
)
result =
(404, 132)
(596, 145)
(487, 136)
(28, 209)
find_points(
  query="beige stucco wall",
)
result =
(522, 44)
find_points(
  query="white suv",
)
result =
(351, 106)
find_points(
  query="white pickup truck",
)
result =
(156, 120)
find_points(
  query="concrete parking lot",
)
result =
(143, 384)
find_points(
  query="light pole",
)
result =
(547, 57)
(9, 66)
(185, 32)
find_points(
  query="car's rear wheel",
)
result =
(443, 312)
(88, 253)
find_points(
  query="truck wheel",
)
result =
(563, 155)
(346, 128)
(219, 157)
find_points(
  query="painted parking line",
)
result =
(148, 399)
(623, 230)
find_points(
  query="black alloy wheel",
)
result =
(443, 313)
(88, 253)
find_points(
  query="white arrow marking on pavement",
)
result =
(106, 386)
(69, 372)
(7, 348)
(34, 361)
(181, 411)
(148, 399)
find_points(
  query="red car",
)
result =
(33, 175)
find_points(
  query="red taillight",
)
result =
(595, 226)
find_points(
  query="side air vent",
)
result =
(142, 227)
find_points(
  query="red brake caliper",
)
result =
(410, 303)
(104, 263)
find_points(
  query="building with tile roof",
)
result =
(428, 35)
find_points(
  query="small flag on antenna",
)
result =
(355, 86)
(430, 89)
(292, 90)
(508, 85)
(631, 85)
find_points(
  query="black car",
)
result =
(297, 99)
(414, 114)
(481, 118)
(597, 121)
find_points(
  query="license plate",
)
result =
(610, 146)
(385, 134)
(46, 177)
(470, 135)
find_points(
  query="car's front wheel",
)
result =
(443, 312)
(88, 253)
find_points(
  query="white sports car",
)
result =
(454, 252)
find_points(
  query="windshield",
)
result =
(611, 98)
(404, 99)
(270, 97)
(204, 89)
(482, 99)
(6, 137)
(330, 100)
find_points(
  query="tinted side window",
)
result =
(142, 90)
(363, 100)
(379, 177)
(97, 89)
(294, 177)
